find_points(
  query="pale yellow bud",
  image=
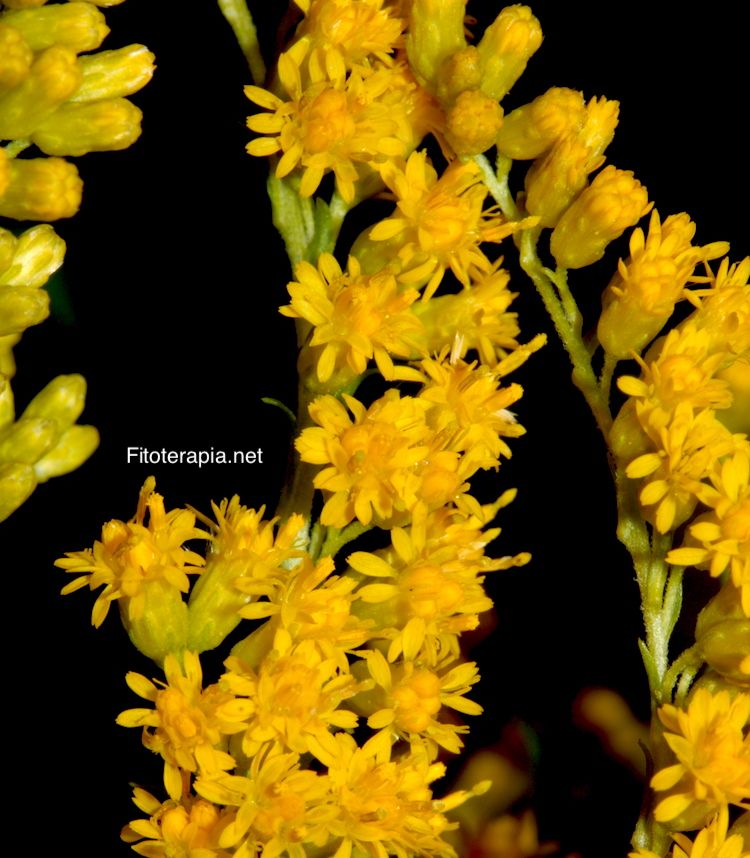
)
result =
(23, 4)
(506, 46)
(53, 78)
(614, 201)
(530, 130)
(473, 123)
(78, 26)
(42, 189)
(62, 400)
(436, 31)
(17, 482)
(113, 74)
(161, 626)
(20, 308)
(76, 444)
(36, 254)
(26, 441)
(7, 405)
(100, 126)
(15, 57)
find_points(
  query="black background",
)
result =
(174, 275)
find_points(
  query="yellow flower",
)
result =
(189, 828)
(505, 48)
(723, 309)
(614, 201)
(474, 319)
(188, 724)
(435, 33)
(245, 559)
(413, 695)
(386, 805)
(428, 587)
(440, 223)
(374, 462)
(356, 317)
(331, 125)
(339, 35)
(41, 189)
(641, 296)
(713, 755)
(295, 695)
(687, 449)
(472, 122)
(133, 556)
(723, 535)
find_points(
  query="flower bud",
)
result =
(53, 78)
(473, 123)
(62, 400)
(15, 57)
(78, 26)
(27, 440)
(461, 71)
(436, 31)
(17, 482)
(614, 201)
(529, 131)
(42, 189)
(37, 254)
(725, 647)
(506, 46)
(161, 627)
(114, 74)
(99, 126)
(21, 308)
(23, 4)
(737, 417)
(75, 446)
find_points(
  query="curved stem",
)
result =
(241, 22)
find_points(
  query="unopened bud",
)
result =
(42, 189)
(506, 47)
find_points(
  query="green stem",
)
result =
(583, 373)
(336, 539)
(608, 371)
(497, 184)
(687, 663)
(241, 22)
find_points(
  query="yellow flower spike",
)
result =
(553, 181)
(530, 130)
(506, 47)
(53, 78)
(78, 26)
(436, 31)
(101, 126)
(17, 482)
(42, 189)
(75, 445)
(473, 122)
(36, 254)
(20, 308)
(16, 57)
(614, 201)
(642, 294)
(114, 74)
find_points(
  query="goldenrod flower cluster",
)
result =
(324, 733)
(60, 100)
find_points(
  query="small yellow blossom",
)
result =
(435, 33)
(189, 828)
(711, 842)
(132, 556)
(356, 317)
(641, 296)
(713, 757)
(614, 201)
(41, 189)
(687, 449)
(188, 723)
(114, 74)
(294, 695)
(506, 47)
(440, 223)
(78, 26)
(723, 535)
(723, 309)
(16, 58)
(331, 125)
(281, 807)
